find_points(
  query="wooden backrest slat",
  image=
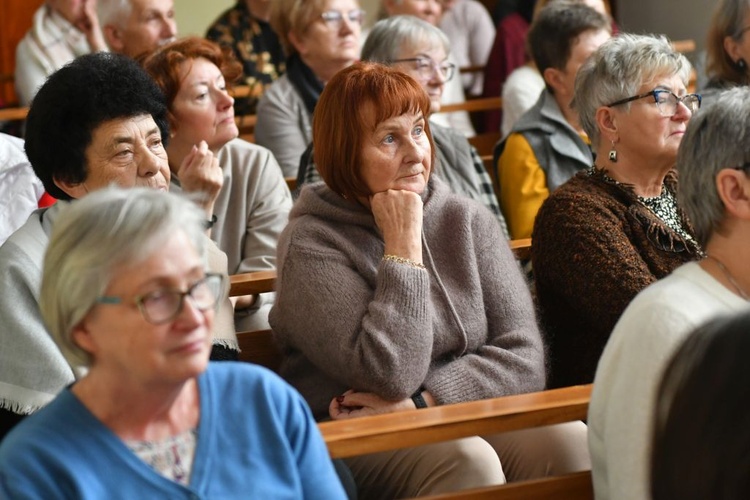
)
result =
(521, 248)
(358, 436)
(473, 105)
(13, 114)
(251, 283)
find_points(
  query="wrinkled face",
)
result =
(397, 154)
(426, 10)
(644, 132)
(202, 107)
(122, 342)
(150, 24)
(332, 41)
(127, 152)
(430, 78)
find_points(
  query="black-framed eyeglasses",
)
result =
(161, 306)
(742, 166)
(426, 67)
(334, 18)
(666, 101)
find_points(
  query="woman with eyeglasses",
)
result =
(421, 50)
(320, 37)
(714, 181)
(728, 47)
(124, 293)
(615, 228)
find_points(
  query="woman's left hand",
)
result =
(354, 404)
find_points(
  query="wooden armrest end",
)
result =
(251, 283)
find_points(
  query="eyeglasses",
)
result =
(161, 306)
(335, 18)
(741, 32)
(426, 67)
(666, 101)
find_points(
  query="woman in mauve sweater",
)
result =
(395, 294)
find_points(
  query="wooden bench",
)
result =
(359, 436)
(13, 114)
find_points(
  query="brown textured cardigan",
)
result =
(594, 247)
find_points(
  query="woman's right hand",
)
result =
(200, 173)
(398, 215)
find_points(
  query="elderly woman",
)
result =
(713, 167)
(320, 38)
(98, 121)
(254, 202)
(61, 30)
(421, 51)
(394, 294)
(700, 432)
(610, 231)
(125, 293)
(727, 49)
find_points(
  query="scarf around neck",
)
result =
(304, 81)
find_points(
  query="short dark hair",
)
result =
(77, 99)
(555, 29)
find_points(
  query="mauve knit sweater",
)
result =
(463, 329)
(594, 247)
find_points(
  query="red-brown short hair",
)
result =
(350, 108)
(164, 64)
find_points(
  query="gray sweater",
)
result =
(463, 329)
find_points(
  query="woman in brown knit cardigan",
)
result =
(612, 230)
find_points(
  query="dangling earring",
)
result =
(613, 153)
(741, 64)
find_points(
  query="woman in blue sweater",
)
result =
(126, 297)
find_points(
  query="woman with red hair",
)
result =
(394, 293)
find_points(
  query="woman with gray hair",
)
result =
(125, 293)
(713, 164)
(615, 228)
(421, 50)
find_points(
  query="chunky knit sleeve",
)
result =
(364, 322)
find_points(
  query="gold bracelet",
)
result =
(402, 260)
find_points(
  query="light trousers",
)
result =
(472, 462)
